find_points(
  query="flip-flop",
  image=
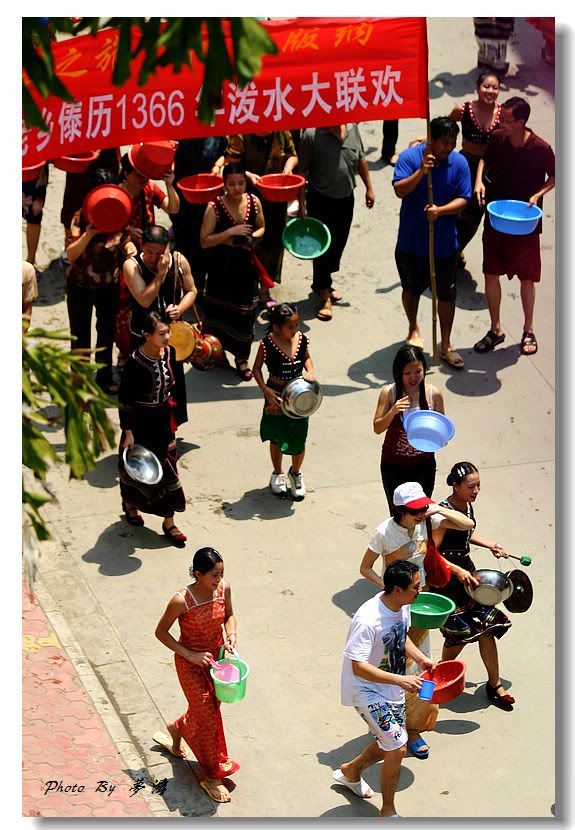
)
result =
(360, 788)
(210, 793)
(416, 745)
(166, 743)
(335, 296)
(453, 359)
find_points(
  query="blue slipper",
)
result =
(415, 746)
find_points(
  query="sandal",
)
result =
(528, 343)
(244, 370)
(177, 537)
(216, 795)
(503, 701)
(335, 296)
(419, 748)
(453, 359)
(132, 515)
(489, 342)
(325, 312)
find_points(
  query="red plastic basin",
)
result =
(29, 174)
(201, 188)
(449, 679)
(78, 163)
(109, 207)
(280, 187)
(153, 159)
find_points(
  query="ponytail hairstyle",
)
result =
(205, 559)
(408, 354)
(459, 471)
(280, 314)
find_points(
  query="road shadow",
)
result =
(479, 377)
(472, 699)
(259, 503)
(456, 727)
(224, 385)
(350, 599)
(351, 749)
(105, 476)
(182, 794)
(114, 550)
(52, 284)
(374, 370)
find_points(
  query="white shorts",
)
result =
(386, 722)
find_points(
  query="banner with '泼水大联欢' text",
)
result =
(327, 71)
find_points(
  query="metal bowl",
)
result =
(142, 465)
(300, 398)
(494, 587)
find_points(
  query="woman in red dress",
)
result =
(201, 609)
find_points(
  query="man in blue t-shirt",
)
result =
(451, 182)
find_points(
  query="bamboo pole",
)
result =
(432, 258)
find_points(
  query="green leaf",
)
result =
(251, 42)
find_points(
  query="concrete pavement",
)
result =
(294, 567)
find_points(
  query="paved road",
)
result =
(294, 567)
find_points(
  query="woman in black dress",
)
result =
(147, 417)
(471, 621)
(232, 224)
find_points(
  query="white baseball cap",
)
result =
(411, 495)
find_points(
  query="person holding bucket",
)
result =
(374, 680)
(470, 622)
(204, 612)
(404, 536)
(285, 352)
(400, 462)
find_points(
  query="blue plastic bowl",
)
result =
(513, 217)
(306, 238)
(428, 431)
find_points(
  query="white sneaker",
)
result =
(278, 484)
(296, 485)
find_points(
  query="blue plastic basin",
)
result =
(513, 216)
(428, 431)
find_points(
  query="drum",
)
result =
(184, 339)
(207, 353)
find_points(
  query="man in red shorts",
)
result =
(517, 165)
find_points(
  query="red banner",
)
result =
(327, 71)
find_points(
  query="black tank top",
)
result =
(170, 292)
(471, 130)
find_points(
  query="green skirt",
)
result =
(288, 433)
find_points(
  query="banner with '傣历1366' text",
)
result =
(327, 71)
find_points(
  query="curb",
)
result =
(100, 700)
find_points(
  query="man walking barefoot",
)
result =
(373, 680)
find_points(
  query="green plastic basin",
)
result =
(431, 610)
(306, 238)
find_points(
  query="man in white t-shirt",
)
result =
(373, 679)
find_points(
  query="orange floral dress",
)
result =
(201, 726)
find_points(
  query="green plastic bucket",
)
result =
(231, 691)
